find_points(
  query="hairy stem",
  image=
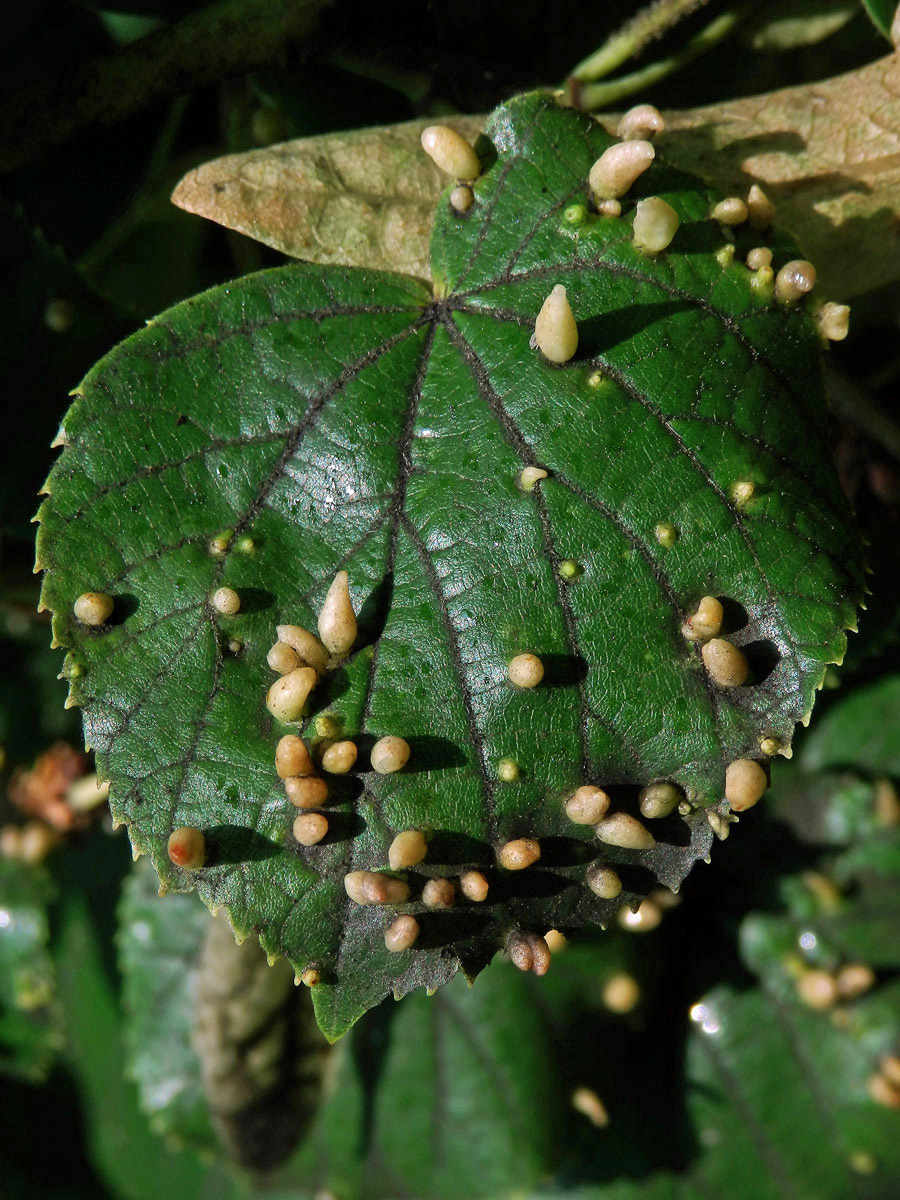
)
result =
(600, 95)
(228, 37)
(651, 22)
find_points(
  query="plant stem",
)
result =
(625, 43)
(226, 38)
(601, 95)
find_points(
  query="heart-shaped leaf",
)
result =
(312, 420)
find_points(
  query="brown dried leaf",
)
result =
(826, 154)
(364, 198)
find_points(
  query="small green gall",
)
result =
(93, 608)
(525, 671)
(724, 256)
(762, 283)
(226, 601)
(745, 783)
(575, 215)
(641, 123)
(218, 545)
(625, 831)
(569, 569)
(725, 663)
(655, 225)
(742, 492)
(337, 620)
(618, 167)
(245, 544)
(450, 151)
(401, 934)
(595, 379)
(389, 754)
(666, 534)
(555, 330)
(328, 725)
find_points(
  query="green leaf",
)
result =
(862, 731)
(30, 1025)
(334, 419)
(883, 14)
(779, 27)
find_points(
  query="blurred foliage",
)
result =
(90, 225)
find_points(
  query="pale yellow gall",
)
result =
(474, 886)
(882, 1091)
(609, 208)
(283, 658)
(389, 754)
(438, 893)
(760, 208)
(794, 280)
(618, 167)
(306, 791)
(337, 620)
(401, 934)
(450, 151)
(587, 805)
(725, 663)
(407, 849)
(226, 601)
(604, 882)
(292, 757)
(306, 645)
(731, 211)
(508, 770)
(890, 1069)
(526, 671)
(311, 977)
(645, 920)
(93, 608)
(759, 256)
(340, 757)
(854, 980)
(621, 993)
(745, 783)
(742, 491)
(310, 828)
(187, 848)
(555, 330)
(556, 941)
(370, 887)
(770, 746)
(620, 829)
(655, 225)
(328, 725)
(219, 543)
(87, 793)
(586, 1101)
(666, 534)
(529, 476)
(642, 122)
(519, 854)
(462, 198)
(287, 696)
(833, 321)
(235, 645)
(705, 622)
(659, 800)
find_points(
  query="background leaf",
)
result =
(850, 734)
(883, 14)
(342, 419)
